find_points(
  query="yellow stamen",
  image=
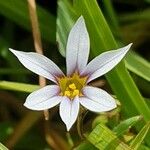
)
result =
(72, 86)
(75, 93)
(67, 93)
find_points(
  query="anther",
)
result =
(75, 92)
(72, 86)
(67, 93)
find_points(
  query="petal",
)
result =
(69, 110)
(43, 98)
(39, 64)
(104, 63)
(97, 100)
(78, 45)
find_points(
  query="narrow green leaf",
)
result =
(2, 147)
(140, 137)
(102, 40)
(138, 65)
(85, 146)
(125, 125)
(65, 20)
(148, 101)
(143, 15)
(14, 86)
(17, 11)
(13, 71)
(111, 15)
(103, 138)
(143, 147)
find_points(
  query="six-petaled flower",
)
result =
(72, 89)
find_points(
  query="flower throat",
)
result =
(71, 86)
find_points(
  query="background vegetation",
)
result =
(111, 24)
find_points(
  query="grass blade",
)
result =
(103, 138)
(140, 137)
(138, 65)
(65, 20)
(85, 146)
(21, 87)
(125, 125)
(2, 147)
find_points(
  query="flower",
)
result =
(73, 89)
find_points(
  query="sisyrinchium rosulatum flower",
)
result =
(72, 89)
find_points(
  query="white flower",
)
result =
(73, 89)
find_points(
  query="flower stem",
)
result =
(37, 41)
(79, 125)
(69, 138)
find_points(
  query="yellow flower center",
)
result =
(71, 86)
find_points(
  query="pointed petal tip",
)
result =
(106, 61)
(124, 49)
(69, 111)
(80, 20)
(24, 104)
(38, 64)
(27, 105)
(128, 46)
(15, 52)
(114, 105)
(12, 50)
(44, 98)
(68, 127)
(78, 46)
(97, 100)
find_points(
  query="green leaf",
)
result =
(148, 101)
(140, 137)
(85, 146)
(125, 125)
(65, 20)
(143, 15)
(103, 138)
(110, 15)
(14, 86)
(138, 65)
(102, 40)
(143, 147)
(2, 147)
(17, 11)
(9, 71)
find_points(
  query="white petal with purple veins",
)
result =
(44, 98)
(78, 46)
(104, 63)
(97, 100)
(39, 64)
(69, 110)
